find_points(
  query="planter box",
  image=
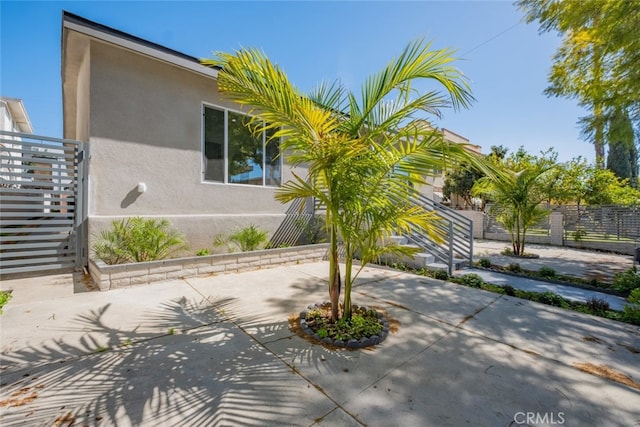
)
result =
(115, 276)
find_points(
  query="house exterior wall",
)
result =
(144, 125)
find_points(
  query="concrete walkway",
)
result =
(565, 261)
(571, 293)
(219, 351)
(601, 266)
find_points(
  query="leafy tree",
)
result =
(603, 187)
(366, 156)
(566, 184)
(598, 63)
(623, 156)
(498, 153)
(518, 193)
(459, 181)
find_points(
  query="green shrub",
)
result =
(509, 290)
(441, 275)
(484, 262)
(5, 296)
(313, 230)
(547, 273)
(579, 234)
(627, 281)
(246, 239)
(514, 267)
(361, 325)
(472, 280)
(551, 299)
(203, 252)
(137, 240)
(597, 305)
(632, 310)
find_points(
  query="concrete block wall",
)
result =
(115, 276)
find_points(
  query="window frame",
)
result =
(225, 150)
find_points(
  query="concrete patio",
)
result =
(218, 351)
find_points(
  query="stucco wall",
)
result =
(146, 127)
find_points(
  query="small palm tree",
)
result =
(517, 193)
(366, 156)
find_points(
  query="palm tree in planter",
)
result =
(366, 156)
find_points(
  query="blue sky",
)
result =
(506, 60)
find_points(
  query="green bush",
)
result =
(5, 296)
(579, 234)
(313, 230)
(246, 239)
(203, 252)
(249, 238)
(547, 273)
(441, 275)
(551, 299)
(472, 280)
(632, 310)
(484, 262)
(597, 305)
(137, 240)
(514, 267)
(627, 281)
(509, 290)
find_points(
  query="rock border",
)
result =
(352, 343)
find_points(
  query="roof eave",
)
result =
(136, 44)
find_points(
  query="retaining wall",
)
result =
(115, 276)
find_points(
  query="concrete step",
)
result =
(458, 264)
(419, 260)
(398, 240)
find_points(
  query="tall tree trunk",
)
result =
(598, 139)
(598, 110)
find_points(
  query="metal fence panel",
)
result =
(620, 223)
(40, 203)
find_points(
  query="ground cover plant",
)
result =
(622, 284)
(363, 324)
(627, 281)
(5, 296)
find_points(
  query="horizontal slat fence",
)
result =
(40, 202)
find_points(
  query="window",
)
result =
(232, 154)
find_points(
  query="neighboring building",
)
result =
(13, 118)
(434, 189)
(162, 142)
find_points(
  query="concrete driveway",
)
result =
(219, 351)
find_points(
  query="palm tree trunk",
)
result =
(346, 314)
(517, 224)
(334, 275)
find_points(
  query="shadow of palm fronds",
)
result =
(185, 363)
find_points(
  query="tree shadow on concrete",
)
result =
(466, 356)
(203, 371)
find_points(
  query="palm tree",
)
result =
(366, 156)
(517, 193)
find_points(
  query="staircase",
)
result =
(454, 253)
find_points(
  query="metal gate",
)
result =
(41, 203)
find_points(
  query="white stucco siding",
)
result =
(146, 127)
